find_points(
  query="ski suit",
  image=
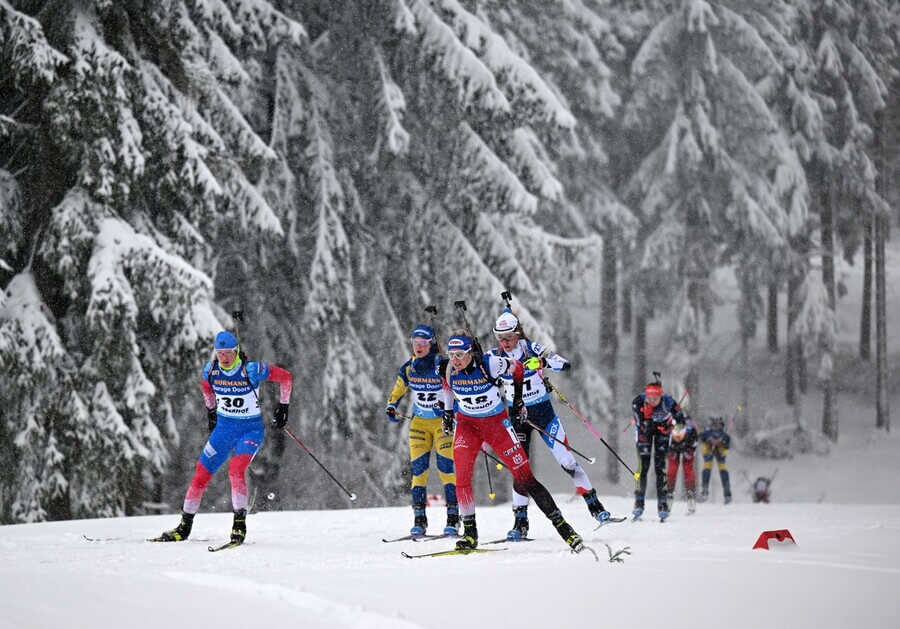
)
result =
(540, 411)
(714, 444)
(481, 417)
(239, 425)
(422, 376)
(652, 427)
(683, 452)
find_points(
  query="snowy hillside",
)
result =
(330, 569)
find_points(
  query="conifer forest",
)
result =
(329, 168)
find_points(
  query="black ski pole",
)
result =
(432, 316)
(300, 443)
(589, 459)
(494, 459)
(238, 315)
(487, 468)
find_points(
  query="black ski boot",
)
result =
(469, 538)
(420, 522)
(452, 527)
(180, 532)
(520, 524)
(596, 507)
(239, 527)
(566, 532)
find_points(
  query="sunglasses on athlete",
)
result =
(458, 354)
(509, 336)
(420, 342)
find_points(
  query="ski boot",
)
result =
(727, 498)
(520, 524)
(180, 532)
(691, 504)
(469, 538)
(452, 527)
(239, 527)
(663, 510)
(566, 532)
(420, 522)
(638, 507)
(704, 495)
(596, 507)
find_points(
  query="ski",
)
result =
(431, 538)
(226, 546)
(610, 521)
(411, 537)
(503, 540)
(461, 551)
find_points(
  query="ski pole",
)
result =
(494, 459)
(300, 443)
(594, 431)
(589, 459)
(487, 468)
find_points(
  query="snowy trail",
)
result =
(329, 569)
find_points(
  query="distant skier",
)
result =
(421, 375)
(512, 343)
(654, 414)
(682, 447)
(714, 443)
(760, 489)
(481, 416)
(235, 423)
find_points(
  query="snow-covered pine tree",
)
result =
(428, 125)
(852, 44)
(135, 145)
(705, 180)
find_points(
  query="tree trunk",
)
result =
(772, 316)
(882, 412)
(640, 351)
(626, 309)
(829, 417)
(791, 344)
(865, 321)
(743, 416)
(609, 342)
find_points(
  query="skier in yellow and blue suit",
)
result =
(420, 374)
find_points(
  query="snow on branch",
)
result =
(531, 160)
(460, 65)
(404, 20)
(263, 24)
(23, 41)
(503, 62)
(698, 16)
(479, 158)
(392, 107)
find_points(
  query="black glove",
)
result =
(447, 423)
(519, 414)
(279, 420)
(566, 366)
(211, 418)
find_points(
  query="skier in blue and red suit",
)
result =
(654, 415)
(481, 416)
(230, 389)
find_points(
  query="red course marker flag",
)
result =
(775, 539)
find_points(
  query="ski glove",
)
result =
(279, 420)
(447, 423)
(391, 410)
(519, 414)
(211, 418)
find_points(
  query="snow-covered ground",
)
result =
(319, 569)
(330, 569)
